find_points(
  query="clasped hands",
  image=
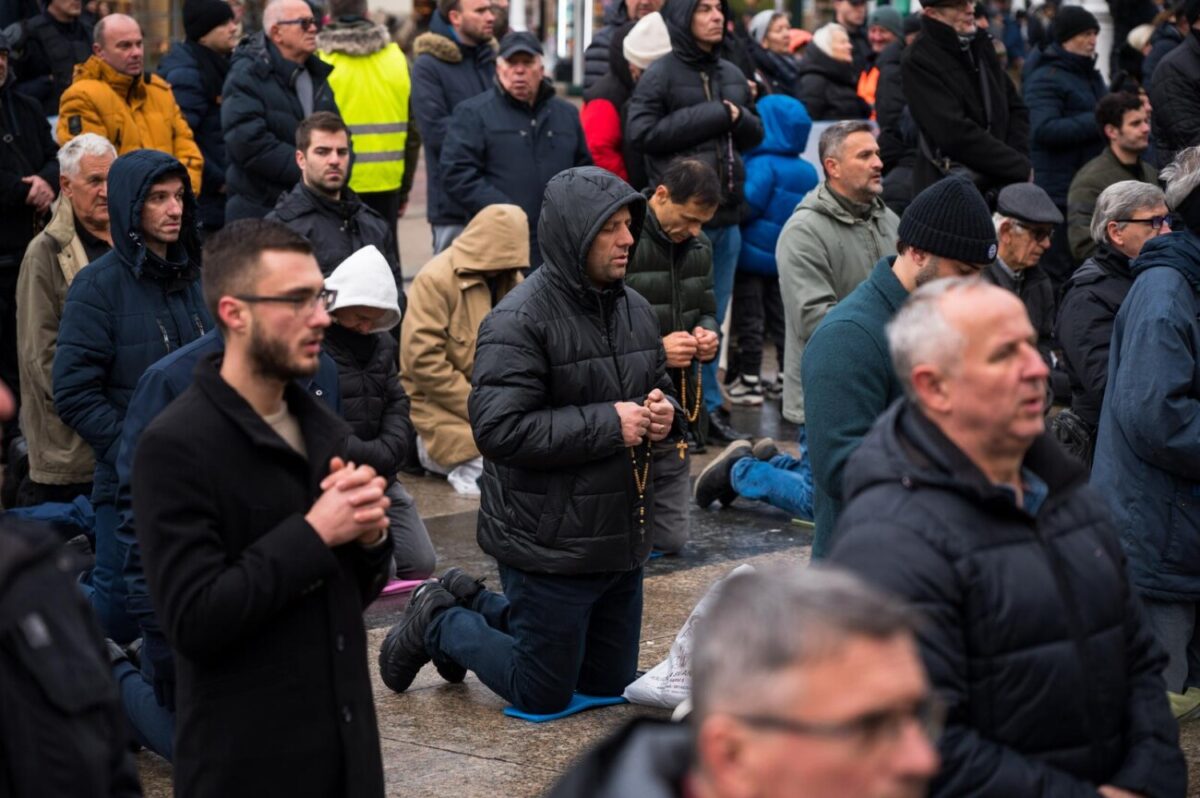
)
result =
(683, 346)
(651, 419)
(352, 505)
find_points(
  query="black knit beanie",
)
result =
(950, 219)
(1070, 21)
(201, 16)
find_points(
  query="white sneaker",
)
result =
(746, 391)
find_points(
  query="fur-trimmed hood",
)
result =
(439, 42)
(353, 36)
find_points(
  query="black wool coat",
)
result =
(1033, 634)
(944, 91)
(26, 148)
(552, 358)
(1175, 94)
(374, 403)
(273, 694)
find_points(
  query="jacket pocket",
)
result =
(554, 509)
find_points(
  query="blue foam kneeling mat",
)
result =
(579, 703)
(655, 554)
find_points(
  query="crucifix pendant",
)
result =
(682, 446)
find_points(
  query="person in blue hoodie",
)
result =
(1147, 461)
(123, 312)
(776, 181)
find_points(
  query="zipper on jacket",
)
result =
(165, 338)
(199, 324)
(612, 351)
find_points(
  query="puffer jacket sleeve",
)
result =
(1177, 106)
(1051, 128)
(759, 186)
(76, 102)
(899, 560)
(813, 91)
(1151, 396)
(1084, 331)
(655, 129)
(86, 345)
(248, 139)
(387, 451)
(508, 412)
(186, 149)
(464, 161)
(595, 57)
(602, 128)
(429, 104)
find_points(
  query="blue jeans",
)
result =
(783, 481)
(153, 725)
(104, 586)
(726, 244)
(546, 637)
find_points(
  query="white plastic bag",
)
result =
(669, 682)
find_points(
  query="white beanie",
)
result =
(365, 280)
(647, 41)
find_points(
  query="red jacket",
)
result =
(602, 128)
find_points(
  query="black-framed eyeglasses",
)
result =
(1155, 222)
(871, 729)
(305, 23)
(1038, 233)
(324, 298)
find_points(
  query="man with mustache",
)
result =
(323, 209)
(959, 502)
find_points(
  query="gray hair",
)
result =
(773, 619)
(823, 36)
(921, 333)
(1181, 176)
(834, 138)
(71, 153)
(1121, 201)
(273, 13)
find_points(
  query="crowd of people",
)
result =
(982, 301)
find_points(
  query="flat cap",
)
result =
(1028, 202)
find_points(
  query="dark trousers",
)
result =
(385, 203)
(33, 493)
(757, 312)
(547, 637)
(105, 584)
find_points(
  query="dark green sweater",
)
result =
(848, 382)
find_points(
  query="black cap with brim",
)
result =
(519, 41)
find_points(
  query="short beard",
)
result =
(269, 359)
(928, 272)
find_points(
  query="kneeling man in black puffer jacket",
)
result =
(961, 503)
(567, 399)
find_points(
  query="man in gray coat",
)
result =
(829, 245)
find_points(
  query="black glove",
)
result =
(162, 660)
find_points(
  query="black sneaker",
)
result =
(715, 481)
(403, 652)
(462, 586)
(765, 448)
(721, 429)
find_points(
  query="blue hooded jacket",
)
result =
(124, 311)
(776, 180)
(1148, 447)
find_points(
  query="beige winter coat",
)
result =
(57, 455)
(446, 304)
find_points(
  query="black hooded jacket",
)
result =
(829, 88)
(1090, 301)
(677, 110)
(1033, 633)
(943, 84)
(558, 489)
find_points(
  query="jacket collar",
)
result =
(1112, 262)
(324, 433)
(823, 201)
(887, 285)
(946, 38)
(125, 85)
(544, 94)
(286, 70)
(654, 229)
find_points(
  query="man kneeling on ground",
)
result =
(566, 403)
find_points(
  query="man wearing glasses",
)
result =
(275, 81)
(1026, 221)
(261, 546)
(805, 684)
(960, 503)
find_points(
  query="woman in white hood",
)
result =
(374, 403)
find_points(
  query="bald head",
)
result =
(291, 27)
(117, 41)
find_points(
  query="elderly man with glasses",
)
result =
(1025, 221)
(960, 502)
(275, 81)
(805, 684)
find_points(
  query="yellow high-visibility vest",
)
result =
(372, 95)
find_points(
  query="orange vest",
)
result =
(868, 82)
